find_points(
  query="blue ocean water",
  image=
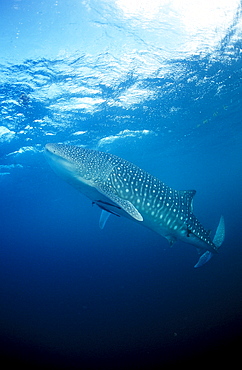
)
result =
(159, 84)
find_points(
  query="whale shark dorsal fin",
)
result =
(125, 204)
(188, 198)
(103, 218)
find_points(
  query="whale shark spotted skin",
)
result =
(119, 187)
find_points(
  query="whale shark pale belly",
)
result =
(119, 187)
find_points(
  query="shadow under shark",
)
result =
(120, 188)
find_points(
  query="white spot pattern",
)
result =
(157, 202)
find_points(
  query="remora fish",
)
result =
(119, 187)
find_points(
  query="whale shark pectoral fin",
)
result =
(103, 218)
(125, 204)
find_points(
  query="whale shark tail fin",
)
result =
(220, 233)
(217, 241)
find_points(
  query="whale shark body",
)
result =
(120, 188)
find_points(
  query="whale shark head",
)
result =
(72, 162)
(89, 171)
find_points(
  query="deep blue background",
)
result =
(73, 295)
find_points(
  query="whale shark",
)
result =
(120, 188)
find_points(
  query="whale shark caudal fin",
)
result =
(217, 241)
(220, 233)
